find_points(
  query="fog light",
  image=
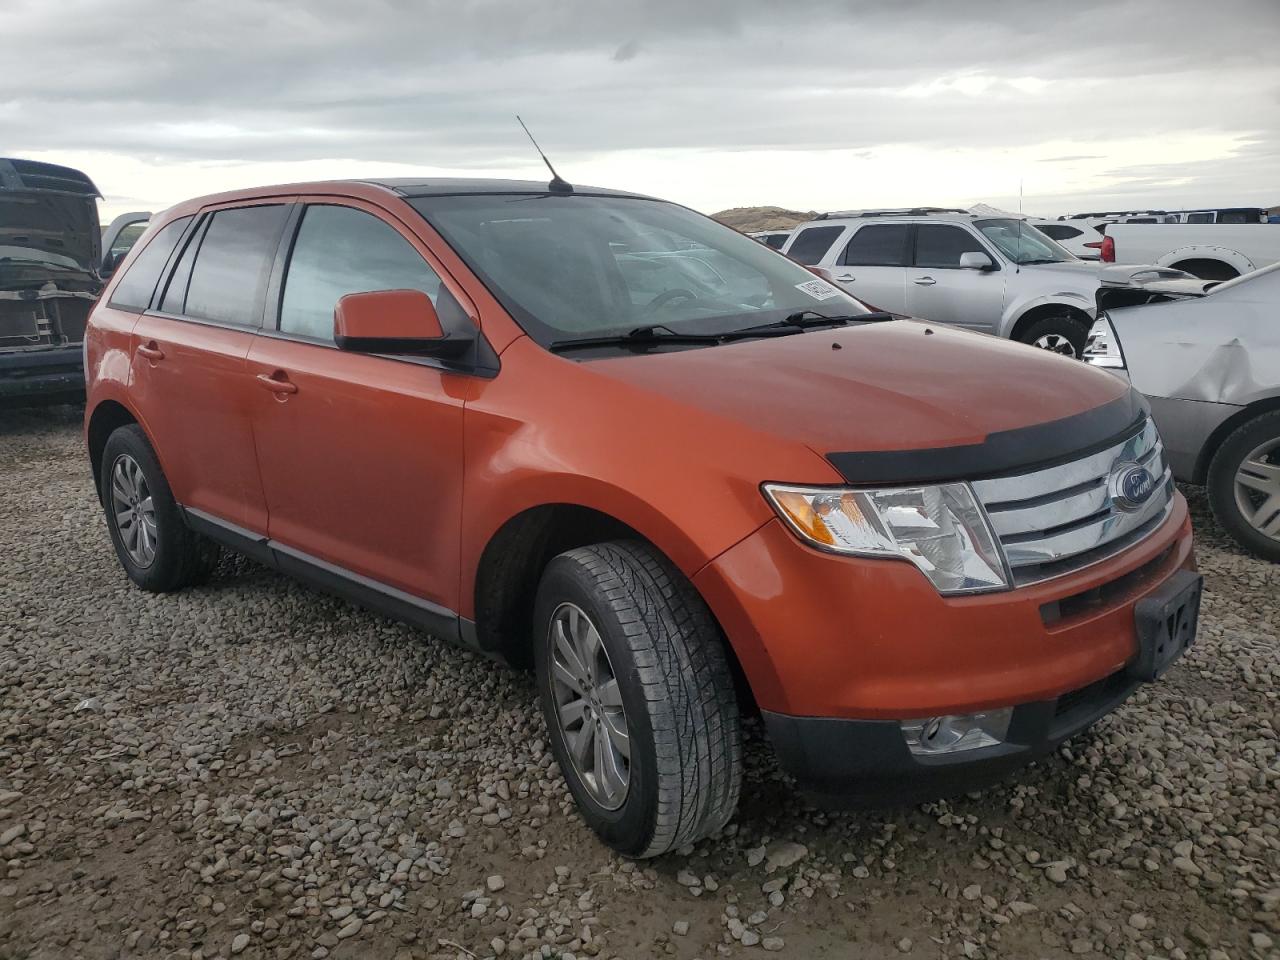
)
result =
(939, 735)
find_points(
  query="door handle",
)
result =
(151, 350)
(278, 382)
(846, 277)
(924, 281)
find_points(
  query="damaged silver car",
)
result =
(51, 272)
(1207, 356)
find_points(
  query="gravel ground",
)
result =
(254, 769)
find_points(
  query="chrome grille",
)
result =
(1059, 519)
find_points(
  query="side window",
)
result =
(878, 245)
(338, 251)
(1058, 231)
(938, 245)
(134, 290)
(1199, 218)
(232, 265)
(812, 244)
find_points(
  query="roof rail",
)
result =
(1112, 213)
(897, 212)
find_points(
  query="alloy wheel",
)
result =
(589, 706)
(133, 510)
(1257, 488)
(1056, 343)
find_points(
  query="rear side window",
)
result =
(878, 245)
(1199, 218)
(134, 290)
(941, 246)
(338, 251)
(232, 265)
(1058, 231)
(812, 244)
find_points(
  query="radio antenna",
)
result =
(558, 184)
(1018, 262)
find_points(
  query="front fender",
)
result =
(1017, 309)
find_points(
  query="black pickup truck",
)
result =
(51, 272)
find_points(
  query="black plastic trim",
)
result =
(1019, 450)
(390, 601)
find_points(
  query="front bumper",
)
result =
(42, 374)
(838, 650)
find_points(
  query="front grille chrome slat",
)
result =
(1059, 519)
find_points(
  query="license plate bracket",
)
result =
(1166, 623)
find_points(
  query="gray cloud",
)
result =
(437, 82)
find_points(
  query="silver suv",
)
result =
(991, 274)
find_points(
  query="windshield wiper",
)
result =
(655, 334)
(1024, 263)
(809, 319)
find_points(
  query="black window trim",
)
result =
(162, 279)
(975, 233)
(906, 254)
(195, 234)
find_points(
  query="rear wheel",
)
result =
(638, 698)
(1058, 334)
(157, 549)
(1244, 485)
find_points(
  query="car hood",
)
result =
(46, 236)
(1080, 270)
(895, 386)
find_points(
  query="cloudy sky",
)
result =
(715, 103)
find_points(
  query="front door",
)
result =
(939, 289)
(190, 382)
(872, 265)
(360, 455)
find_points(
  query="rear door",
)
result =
(873, 265)
(361, 456)
(189, 378)
(939, 289)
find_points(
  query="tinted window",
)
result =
(175, 292)
(232, 265)
(134, 290)
(1238, 216)
(1199, 218)
(878, 245)
(941, 246)
(811, 245)
(1059, 231)
(775, 240)
(339, 251)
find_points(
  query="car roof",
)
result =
(843, 219)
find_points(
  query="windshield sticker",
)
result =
(818, 289)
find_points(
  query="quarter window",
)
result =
(134, 290)
(338, 251)
(878, 245)
(231, 267)
(938, 245)
(812, 244)
(1059, 231)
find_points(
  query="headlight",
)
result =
(941, 529)
(1102, 349)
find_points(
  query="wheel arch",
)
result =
(107, 417)
(1225, 429)
(510, 568)
(1207, 253)
(1040, 311)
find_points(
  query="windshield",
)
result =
(1021, 242)
(572, 267)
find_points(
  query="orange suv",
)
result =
(680, 475)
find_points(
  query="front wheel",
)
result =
(1244, 485)
(638, 698)
(1060, 334)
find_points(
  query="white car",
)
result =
(1211, 251)
(1080, 238)
(995, 275)
(771, 238)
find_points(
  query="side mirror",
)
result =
(394, 321)
(976, 260)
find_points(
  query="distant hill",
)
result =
(754, 219)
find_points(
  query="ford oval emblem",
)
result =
(1131, 485)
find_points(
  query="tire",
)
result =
(1061, 334)
(674, 688)
(1257, 440)
(179, 557)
